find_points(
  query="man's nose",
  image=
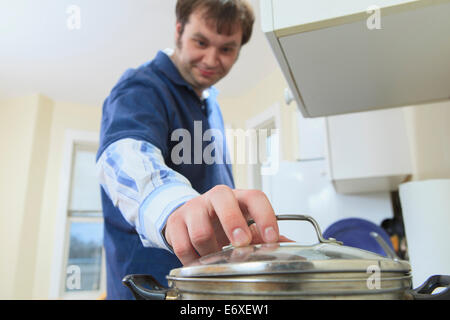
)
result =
(211, 57)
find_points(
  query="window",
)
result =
(266, 154)
(268, 141)
(84, 274)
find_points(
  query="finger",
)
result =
(178, 237)
(225, 206)
(260, 209)
(256, 236)
(257, 239)
(220, 234)
(201, 233)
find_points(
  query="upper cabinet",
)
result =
(368, 151)
(359, 55)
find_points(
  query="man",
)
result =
(159, 213)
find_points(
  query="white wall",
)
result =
(429, 136)
(24, 128)
(32, 130)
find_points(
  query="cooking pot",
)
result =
(288, 270)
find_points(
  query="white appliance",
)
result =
(426, 216)
(304, 187)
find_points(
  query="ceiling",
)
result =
(40, 53)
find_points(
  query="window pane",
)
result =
(268, 150)
(85, 189)
(85, 256)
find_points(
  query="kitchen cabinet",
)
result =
(360, 55)
(368, 151)
(312, 138)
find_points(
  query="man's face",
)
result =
(203, 56)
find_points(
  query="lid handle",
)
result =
(300, 217)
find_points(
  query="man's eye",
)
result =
(201, 43)
(226, 50)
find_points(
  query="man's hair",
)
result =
(225, 13)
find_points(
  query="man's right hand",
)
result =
(219, 217)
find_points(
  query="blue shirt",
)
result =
(140, 118)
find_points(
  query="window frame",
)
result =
(72, 139)
(268, 119)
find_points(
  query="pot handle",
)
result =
(137, 282)
(433, 282)
(300, 217)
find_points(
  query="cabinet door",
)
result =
(349, 57)
(312, 141)
(369, 146)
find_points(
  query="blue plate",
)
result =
(355, 232)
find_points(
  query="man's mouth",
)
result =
(206, 73)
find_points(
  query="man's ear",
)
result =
(177, 30)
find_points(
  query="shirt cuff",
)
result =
(156, 209)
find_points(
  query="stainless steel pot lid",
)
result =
(326, 256)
